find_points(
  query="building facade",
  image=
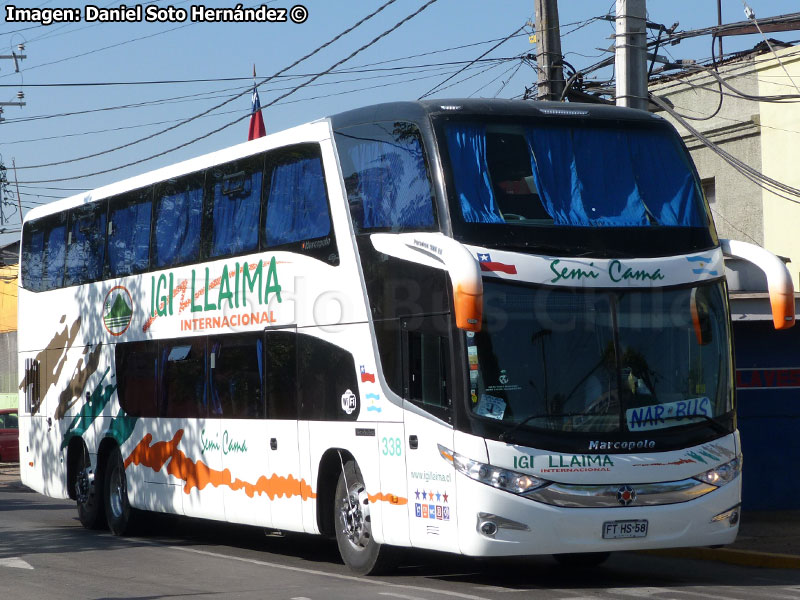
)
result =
(762, 130)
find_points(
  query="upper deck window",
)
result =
(129, 232)
(178, 219)
(234, 204)
(296, 202)
(43, 252)
(582, 175)
(86, 242)
(385, 173)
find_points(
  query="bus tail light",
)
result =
(502, 479)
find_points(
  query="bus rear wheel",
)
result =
(358, 549)
(88, 492)
(119, 513)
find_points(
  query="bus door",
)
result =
(237, 395)
(282, 429)
(427, 391)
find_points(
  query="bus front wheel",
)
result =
(118, 509)
(359, 550)
(88, 492)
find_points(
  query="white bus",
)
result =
(491, 328)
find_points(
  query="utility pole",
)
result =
(631, 54)
(548, 51)
(16, 58)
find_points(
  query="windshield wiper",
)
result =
(507, 436)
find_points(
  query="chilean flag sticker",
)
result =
(486, 263)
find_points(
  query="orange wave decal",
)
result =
(390, 498)
(154, 456)
(199, 475)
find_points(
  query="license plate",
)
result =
(613, 530)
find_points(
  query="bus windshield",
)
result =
(587, 174)
(601, 361)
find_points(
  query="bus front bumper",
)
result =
(492, 522)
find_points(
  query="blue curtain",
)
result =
(85, 253)
(297, 205)
(581, 180)
(129, 242)
(665, 180)
(467, 146)
(55, 246)
(32, 260)
(236, 205)
(606, 177)
(392, 184)
(178, 220)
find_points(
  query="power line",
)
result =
(185, 121)
(237, 111)
(500, 43)
(205, 95)
(87, 53)
(773, 186)
(237, 120)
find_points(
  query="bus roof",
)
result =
(419, 110)
(416, 111)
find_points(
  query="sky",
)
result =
(91, 87)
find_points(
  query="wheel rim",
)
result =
(83, 483)
(355, 518)
(117, 492)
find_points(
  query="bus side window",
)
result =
(327, 384)
(129, 233)
(32, 256)
(178, 220)
(136, 364)
(86, 243)
(237, 375)
(427, 364)
(233, 206)
(43, 251)
(296, 203)
(281, 372)
(386, 177)
(182, 383)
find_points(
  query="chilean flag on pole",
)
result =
(257, 129)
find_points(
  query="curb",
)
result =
(744, 558)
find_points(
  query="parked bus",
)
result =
(483, 327)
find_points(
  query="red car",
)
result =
(9, 435)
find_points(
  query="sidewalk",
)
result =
(769, 539)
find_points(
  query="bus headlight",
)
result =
(722, 474)
(503, 479)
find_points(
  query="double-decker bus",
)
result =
(483, 327)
